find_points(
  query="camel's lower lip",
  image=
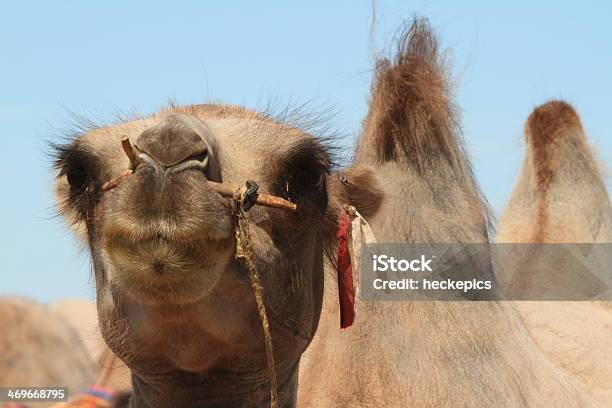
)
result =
(158, 270)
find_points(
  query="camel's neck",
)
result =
(218, 389)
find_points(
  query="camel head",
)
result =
(171, 296)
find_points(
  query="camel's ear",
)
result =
(360, 187)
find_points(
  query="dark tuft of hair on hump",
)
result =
(548, 125)
(411, 114)
(551, 119)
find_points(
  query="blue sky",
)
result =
(108, 57)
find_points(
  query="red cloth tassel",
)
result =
(346, 290)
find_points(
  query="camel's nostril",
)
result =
(197, 161)
(201, 157)
(180, 142)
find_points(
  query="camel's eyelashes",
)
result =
(76, 165)
(79, 167)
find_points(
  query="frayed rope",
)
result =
(244, 253)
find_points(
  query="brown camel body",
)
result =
(425, 354)
(38, 348)
(560, 197)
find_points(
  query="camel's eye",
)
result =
(308, 179)
(80, 168)
(77, 178)
(302, 176)
(304, 184)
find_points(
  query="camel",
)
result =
(560, 197)
(38, 348)
(425, 354)
(173, 302)
(177, 307)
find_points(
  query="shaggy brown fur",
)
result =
(545, 126)
(411, 115)
(412, 122)
(425, 354)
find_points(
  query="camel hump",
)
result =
(556, 138)
(411, 115)
(550, 122)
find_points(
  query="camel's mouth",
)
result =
(166, 236)
(161, 271)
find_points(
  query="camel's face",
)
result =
(162, 242)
